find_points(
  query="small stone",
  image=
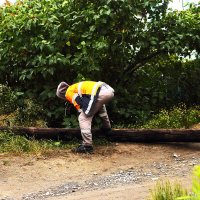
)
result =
(191, 164)
(154, 179)
(175, 155)
(148, 174)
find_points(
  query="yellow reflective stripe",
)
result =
(74, 97)
(79, 89)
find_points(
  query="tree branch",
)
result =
(139, 62)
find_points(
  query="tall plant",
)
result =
(45, 41)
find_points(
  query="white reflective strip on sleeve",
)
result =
(79, 89)
(106, 86)
(74, 97)
(103, 114)
(92, 96)
(111, 89)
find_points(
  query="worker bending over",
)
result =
(89, 98)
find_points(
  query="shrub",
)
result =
(8, 100)
(17, 111)
(178, 117)
(44, 42)
(30, 114)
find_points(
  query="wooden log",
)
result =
(155, 135)
(48, 133)
(117, 135)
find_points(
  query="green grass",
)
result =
(177, 117)
(167, 191)
(16, 144)
(195, 194)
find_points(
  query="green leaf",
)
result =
(83, 43)
(68, 43)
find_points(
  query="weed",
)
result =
(178, 117)
(166, 191)
(10, 143)
(195, 195)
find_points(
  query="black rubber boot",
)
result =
(83, 149)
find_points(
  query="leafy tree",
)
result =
(45, 41)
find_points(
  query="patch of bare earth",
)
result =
(118, 171)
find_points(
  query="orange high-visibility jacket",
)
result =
(83, 95)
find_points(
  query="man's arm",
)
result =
(75, 99)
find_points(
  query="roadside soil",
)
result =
(117, 171)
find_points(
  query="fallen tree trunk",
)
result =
(157, 135)
(117, 135)
(49, 133)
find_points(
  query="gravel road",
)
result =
(179, 167)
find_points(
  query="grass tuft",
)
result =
(16, 144)
(166, 191)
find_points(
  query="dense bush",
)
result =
(178, 117)
(43, 42)
(7, 100)
(15, 110)
(161, 84)
(30, 114)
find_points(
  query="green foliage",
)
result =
(7, 100)
(16, 144)
(183, 31)
(30, 114)
(161, 84)
(43, 42)
(10, 143)
(178, 117)
(15, 111)
(196, 183)
(195, 186)
(71, 122)
(167, 191)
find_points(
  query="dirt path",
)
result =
(118, 171)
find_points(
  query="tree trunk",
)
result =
(117, 135)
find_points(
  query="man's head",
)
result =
(61, 90)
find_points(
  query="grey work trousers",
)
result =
(85, 121)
